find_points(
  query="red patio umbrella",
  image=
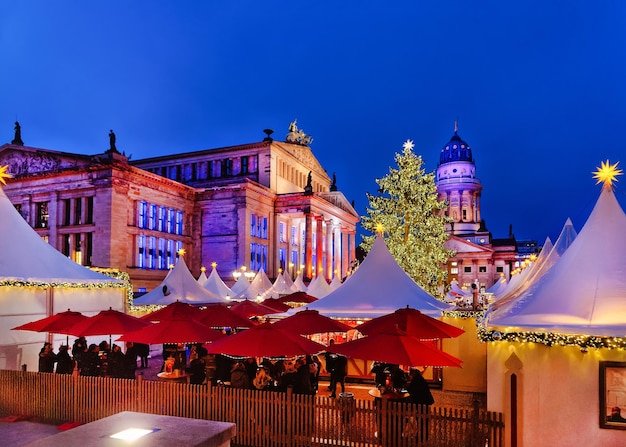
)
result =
(395, 346)
(307, 322)
(107, 322)
(249, 309)
(220, 316)
(413, 322)
(298, 297)
(275, 303)
(175, 330)
(55, 324)
(265, 340)
(177, 309)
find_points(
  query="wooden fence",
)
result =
(263, 418)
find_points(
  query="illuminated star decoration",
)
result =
(607, 173)
(181, 252)
(379, 229)
(203, 269)
(213, 264)
(408, 145)
(4, 174)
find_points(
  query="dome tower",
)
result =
(457, 184)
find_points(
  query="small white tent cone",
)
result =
(178, 285)
(240, 286)
(27, 257)
(318, 287)
(335, 283)
(280, 287)
(378, 287)
(202, 278)
(216, 286)
(259, 285)
(299, 282)
(585, 291)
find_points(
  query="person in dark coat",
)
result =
(196, 371)
(130, 360)
(419, 391)
(90, 362)
(302, 384)
(239, 376)
(143, 351)
(117, 363)
(338, 375)
(78, 349)
(65, 363)
(47, 358)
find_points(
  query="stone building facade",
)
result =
(267, 205)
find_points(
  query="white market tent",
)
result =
(318, 287)
(378, 287)
(299, 282)
(258, 286)
(584, 292)
(178, 285)
(216, 285)
(282, 286)
(37, 281)
(335, 283)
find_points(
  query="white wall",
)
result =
(558, 393)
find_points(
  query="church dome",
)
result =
(456, 150)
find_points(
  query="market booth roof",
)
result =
(585, 290)
(378, 287)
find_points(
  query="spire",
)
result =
(456, 125)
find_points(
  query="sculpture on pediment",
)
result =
(112, 139)
(18, 135)
(297, 136)
(333, 185)
(308, 189)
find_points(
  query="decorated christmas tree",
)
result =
(411, 220)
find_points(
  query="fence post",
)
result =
(289, 412)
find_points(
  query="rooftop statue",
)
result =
(112, 147)
(18, 135)
(297, 136)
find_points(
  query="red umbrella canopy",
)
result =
(395, 346)
(413, 322)
(176, 330)
(265, 340)
(56, 324)
(307, 322)
(249, 309)
(219, 316)
(297, 297)
(174, 310)
(107, 322)
(275, 303)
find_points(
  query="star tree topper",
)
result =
(4, 175)
(607, 173)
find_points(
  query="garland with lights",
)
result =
(464, 314)
(553, 339)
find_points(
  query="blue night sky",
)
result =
(538, 87)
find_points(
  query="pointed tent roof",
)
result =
(240, 285)
(259, 285)
(318, 287)
(378, 287)
(335, 283)
(27, 257)
(299, 282)
(179, 284)
(280, 287)
(216, 286)
(584, 292)
(202, 278)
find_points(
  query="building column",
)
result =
(319, 246)
(344, 254)
(308, 245)
(329, 250)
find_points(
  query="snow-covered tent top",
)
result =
(259, 285)
(299, 282)
(318, 287)
(585, 290)
(378, 287)
(178, 285)
(216, 286)
(27, 257)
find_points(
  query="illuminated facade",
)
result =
(266, 205)
(479, 257)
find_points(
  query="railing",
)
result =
(263, 418)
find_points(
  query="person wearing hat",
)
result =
(47, 358)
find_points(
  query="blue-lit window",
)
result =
(179, 246)
(142, 214)
(152, 255)
(171, 220)
(263, 222)
(161, 262)
(179, 222)
(263, 258)
(293, 236)
(281, 231)
(141, 251)
(244, 165)
(152, 217)
(162, 219)
(294, 259)
(253, 227)
(169, 254)
(282, 258)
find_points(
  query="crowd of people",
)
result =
(94, 360)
